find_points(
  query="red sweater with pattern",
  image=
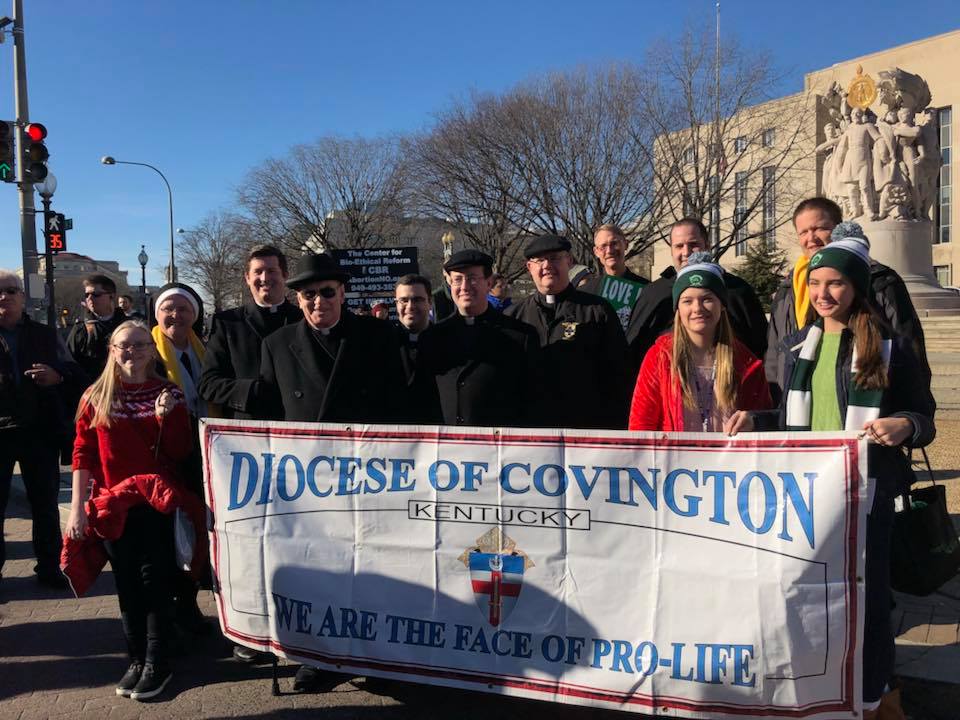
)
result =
(127, 447)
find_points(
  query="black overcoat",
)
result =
(482, 374)
(583, 356)
(361, 382)
(231, 365)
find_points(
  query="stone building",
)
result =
(935, 59)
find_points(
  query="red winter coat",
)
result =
(658, 404)
(82, 560)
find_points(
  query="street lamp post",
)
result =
(142, 257)
(46, 189)
(172, 269)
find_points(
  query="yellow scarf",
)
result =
(801, 300)
(168, 353)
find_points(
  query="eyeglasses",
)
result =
(411, 300)
(12, 290)
(95, 294)
(136, 347)
(327, 293)
(459, 280)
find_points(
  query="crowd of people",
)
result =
(843, 349)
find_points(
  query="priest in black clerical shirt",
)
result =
(332, 365)
(582, 346)
(477, 367)
(231, 366)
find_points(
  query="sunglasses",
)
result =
(12, 290)
(327, 293)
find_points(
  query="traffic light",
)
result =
(8, 135)
(35, 153)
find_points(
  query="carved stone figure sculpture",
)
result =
(829, 182)
(855, 160)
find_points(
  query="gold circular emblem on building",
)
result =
(862, 91)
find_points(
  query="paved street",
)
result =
(60, 657)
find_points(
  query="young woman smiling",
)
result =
(132, 430)
(696, 377)
(847, 371)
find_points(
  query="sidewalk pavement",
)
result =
(61, 656)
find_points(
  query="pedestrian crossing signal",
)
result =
(55, 232)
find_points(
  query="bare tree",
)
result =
(562, 154)
(461, 174)
(211, 258)
(334, 193)
(723, 152)
(582, 152)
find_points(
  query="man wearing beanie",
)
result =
(814, 221)
(478, 367)
(583, 351)
(654, 313)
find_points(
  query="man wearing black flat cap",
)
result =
(477, 367)
(583, 351)
(332, 366)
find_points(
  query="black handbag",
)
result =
(925, 550)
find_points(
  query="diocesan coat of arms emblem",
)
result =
(496, 568)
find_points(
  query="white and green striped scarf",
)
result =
(862, 405)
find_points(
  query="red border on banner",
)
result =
(851, 446)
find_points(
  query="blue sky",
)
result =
(206, 90)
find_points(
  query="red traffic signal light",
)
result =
(36, 132)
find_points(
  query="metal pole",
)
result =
(172, 270)
(28, 227)
(143, 289)
(48, 261)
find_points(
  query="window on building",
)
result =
(740, 144)
(944, 276)
(770, 206)
(769, 137)
(740, 214)
(714, 228)
(688, 156)
(689, 193)
(945, 181)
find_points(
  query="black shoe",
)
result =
(247, 655)
(189, 618)
(130, 679)
(152, 681)
(52, 579)
(314, 680)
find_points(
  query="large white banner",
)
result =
(688, 575)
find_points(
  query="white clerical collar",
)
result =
(469, 319)
(413, 336)
(326, 331)
(550, 299)
(272, 308)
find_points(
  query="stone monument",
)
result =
(881, 167)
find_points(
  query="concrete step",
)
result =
(947, 396)
(941, 381)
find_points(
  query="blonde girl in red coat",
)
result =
(695, 378)
(132, 423)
